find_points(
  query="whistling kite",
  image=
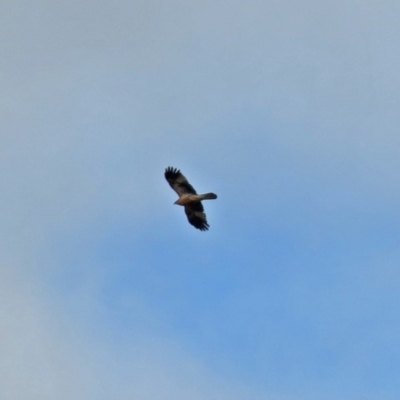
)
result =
(188, 198)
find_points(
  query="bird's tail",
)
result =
(209, 196)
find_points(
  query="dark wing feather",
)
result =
(196, 217)
(178, 182)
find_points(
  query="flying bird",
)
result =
(188, 198)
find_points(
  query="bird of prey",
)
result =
(188, 198)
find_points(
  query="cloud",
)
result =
(294, 101)
(46, 355)
(39, 361)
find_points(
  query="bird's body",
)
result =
(188, 198)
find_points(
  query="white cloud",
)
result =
(45, 355)
(295, 100)
(38, 361)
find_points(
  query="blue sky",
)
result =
(288, 111)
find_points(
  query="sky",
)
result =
(288, 111)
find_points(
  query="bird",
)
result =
(188, 198)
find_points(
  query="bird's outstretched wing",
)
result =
(178, 182)
(196, 217)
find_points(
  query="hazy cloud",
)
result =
(295, 102)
